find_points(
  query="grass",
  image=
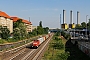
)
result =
(52, 53)
(3, 41)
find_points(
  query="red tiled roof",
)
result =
(15, 19)
(4, 14)
(24, 21)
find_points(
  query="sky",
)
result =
(47, 11)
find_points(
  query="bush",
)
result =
(64, 56)
(58, 45)
(56, 38)
(66, 36)
(57, 33)
(2, 41)
(11, 40)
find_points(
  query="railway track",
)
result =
(32, 54)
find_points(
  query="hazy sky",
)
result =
(47, 11)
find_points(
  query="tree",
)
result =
(46, 30)
(22, 28)
(58, 32)
(33, 33)
(40, 30)
(83, 25)
(63, 33)
(89, 20)
(16, 33)
(4, 32)
(19, 29)
(40, 23)
(15, 24)
(78, 26)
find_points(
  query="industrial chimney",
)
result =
(64, 16)
(78, 17)
(71, 17)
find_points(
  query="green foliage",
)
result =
(16, 33)
(11, 40)
(58, 43)
(83, 25)
(1, 41)
(56, 50)
(19, 30)
(63, 33)
(46, 30)
(4, 32)
(15, 24)
(22, 28)
(33, 33)
(64, 56)
(57, 33)
(56, 38)
(12, 47)
(40, 24)
(78, 26)
(66, 36)
(40, 30)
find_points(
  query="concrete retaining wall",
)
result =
(84, 48)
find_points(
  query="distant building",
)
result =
(5, 20)
(72, 25)
(64, 26)
(26, 22)
(34, 27)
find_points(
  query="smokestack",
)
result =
(64, 16)
(71, 17)
(78, 17)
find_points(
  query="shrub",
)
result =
(64, 56)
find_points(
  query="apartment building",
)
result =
(28, 25)
(5, 20)
(26, 22)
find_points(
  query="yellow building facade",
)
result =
(64, 26)
(71, 25)
(6, 21)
